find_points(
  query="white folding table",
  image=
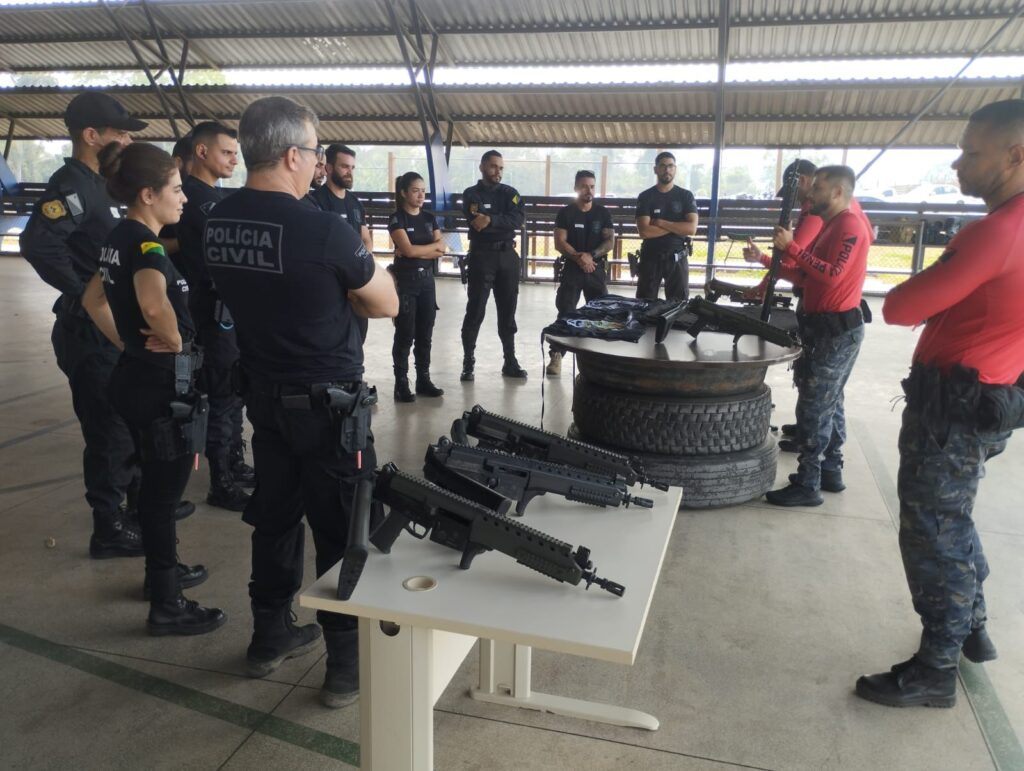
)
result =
(411, 642)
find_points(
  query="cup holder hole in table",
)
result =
(419, 583)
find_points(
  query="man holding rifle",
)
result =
(832, 275)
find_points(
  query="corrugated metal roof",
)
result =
(338, 33)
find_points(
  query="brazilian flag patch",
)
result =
(152, 247)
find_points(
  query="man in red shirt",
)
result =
(970, 353)
(832, 275)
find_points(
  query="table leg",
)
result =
(505, 670)
(402, 672)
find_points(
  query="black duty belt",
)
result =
(301, 397)
(410, 270)
(492, 246)
(832, 323)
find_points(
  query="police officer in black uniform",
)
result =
(336, 195)
(495, 215)
(583, 236)
(666, 217)
(295, 279)
(62, 242)
(214, 157)
(418, 245)
(140, 302)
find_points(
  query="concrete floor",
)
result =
(761, 623)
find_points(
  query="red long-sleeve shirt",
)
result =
(972, 299)
(832, 271)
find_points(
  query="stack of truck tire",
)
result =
(709, 433)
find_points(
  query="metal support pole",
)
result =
(145, 68)
(716, 171)
(604, 176)
(10, 138)
(448, 142)
(175, 80)
(917, 258)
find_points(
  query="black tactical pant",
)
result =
(300, 472)
(220, 352)
(486, 271)
(87, 358)
(575, 282)
(656, 266)
(940, 467)
(143, 393)
(414, 325)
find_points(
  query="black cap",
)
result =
(799, 166)
(94, 109)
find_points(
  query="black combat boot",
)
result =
(788, 429)
(831, 481)
(188, 576)
(224, 491)
(341, 683)
(402, 391)
(978, 647)
(244, 474)
(170, 613)
(113, 536)
(910, 684)
(423, 385)
(468, 363)
(794, 495)
(276, 638)
(512, 369)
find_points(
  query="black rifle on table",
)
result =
(358, 548)
(714, 289)
(736, 324)
(789, 191)
(424, 509)
(523, 479)
(500, 433)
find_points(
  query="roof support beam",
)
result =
(142, 63)
(176, 77)
(938, 94)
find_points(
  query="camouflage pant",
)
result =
(942, 556)
(820, 417)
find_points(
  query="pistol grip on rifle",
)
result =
(459, 434)
(469, 553)
(387, 532)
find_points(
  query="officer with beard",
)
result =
(335, 196)
(495, 214)
(666, 217)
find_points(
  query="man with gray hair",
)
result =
(295, 280)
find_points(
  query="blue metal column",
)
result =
(716, 169)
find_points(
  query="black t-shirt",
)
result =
(349, 207)
(284, 269)
(672, 206)
(584, 227)
(129, 248)
(499, 202)
(69, 224)
(189, 259)
(420, 230)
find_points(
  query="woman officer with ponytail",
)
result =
(417, 246)
(140, 301)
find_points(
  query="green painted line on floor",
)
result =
(188, 698)
(1003, 743)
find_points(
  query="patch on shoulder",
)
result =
(152, 247)
(54, 210)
